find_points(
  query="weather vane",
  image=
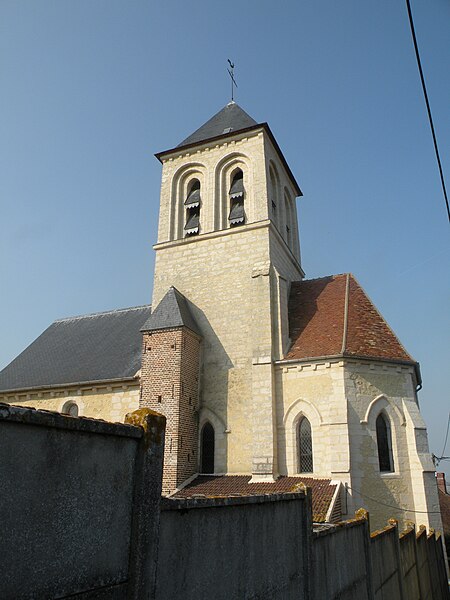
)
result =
(233, 81)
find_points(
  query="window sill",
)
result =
(389, 475)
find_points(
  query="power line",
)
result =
(425, 512)
(446, 438)
(430, 118)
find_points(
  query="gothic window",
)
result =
(305, 453)
(237, 214)
(207, 448)
(71, 409)
(192, 204)
(384, 443)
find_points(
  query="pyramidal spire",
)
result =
(230, 118)
(172, 311)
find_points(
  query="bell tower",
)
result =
(228, 242)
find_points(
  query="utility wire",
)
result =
(430, 118)
(446, 438)
(425, 512)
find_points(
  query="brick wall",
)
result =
(169, 385)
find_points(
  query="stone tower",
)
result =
(228, 241)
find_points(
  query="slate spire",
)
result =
(172, 311)
(230, 119)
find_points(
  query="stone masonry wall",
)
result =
(215, 273)
(314, 390)
(109, 402)
(342, 400)
(371, 388)
(238, 281)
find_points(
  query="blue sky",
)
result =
(91, 89)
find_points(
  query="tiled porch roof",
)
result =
(238, 485)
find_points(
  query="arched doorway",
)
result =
(207, 448)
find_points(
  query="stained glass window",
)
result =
(384, 443)
(305, 453)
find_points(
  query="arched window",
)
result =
(273, 194)
(237, 214)
(305, 452)
(192, 204)
(207, 448)
(384, 443)
(70, 408)
(288, 212)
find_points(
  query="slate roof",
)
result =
(333, 316)
(90, 348)
(230, 118)
(238, 485)
(172, 311)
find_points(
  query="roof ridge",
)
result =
(324, 277)
(103, 312)
(345, 325)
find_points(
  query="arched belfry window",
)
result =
(384, 443)
(207, 448)
(192, 204)
(288, 212)
(273, 194)
(237, 192)
(305, 451)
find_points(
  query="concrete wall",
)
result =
(339, 559)
(386, 572)
(82, 515)
(350, 564)
(76, 503)
(255, 547)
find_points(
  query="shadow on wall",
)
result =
(215, 368)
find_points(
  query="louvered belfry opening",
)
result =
(384, 444)
(192, 204)
(305, 453)
(207, 448)
(237, 214)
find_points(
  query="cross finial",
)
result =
(233, 82)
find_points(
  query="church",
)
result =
(268, 380)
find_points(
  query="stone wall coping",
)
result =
(422, 531)
(47, 418)
(336, 527)
(409, 532)
(219, 501)
(381, 532)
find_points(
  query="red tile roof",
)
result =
(333, 316)
(238, 485)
